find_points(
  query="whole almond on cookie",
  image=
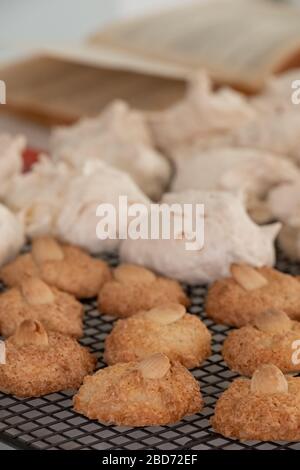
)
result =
(127, 273)
(247, 277)
(63, 266)
(154, 367)
(167, 314)
(31, 332)
(240, 298)
(134, 289)
(46, 249)
(166, 329)
(36, 292)
(144, 393)
(268, 379)
(273, 321)
(264, 408)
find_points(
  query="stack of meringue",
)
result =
(239, 154)
(11, 229)
(120, 137)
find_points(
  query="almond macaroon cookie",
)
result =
(265, 407)
(38, 362)
(33, 299)
(66, 267)
(238, 299)
(152, 392)
(270, 339)
(135, 288)
(166, 329)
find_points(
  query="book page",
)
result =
(238, 41)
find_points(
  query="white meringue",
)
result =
(54, 199)
(118, 136)
(37, 196)
(276, 132)
(11, 235)
(117, 117)
(230, 237)
(11, 162)
(284, 202)
(202, 112)
(289, 241)
(250, 171)
(277, 94)
(98, 183)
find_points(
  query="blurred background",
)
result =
(27, 27)
(38, 22)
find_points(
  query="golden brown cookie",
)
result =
(237, 300)
(66, 267)
(35, 300)
(166, 329)
(265, 408)
(38, 363)
(135, 288)
(148, 393)
(269, 340)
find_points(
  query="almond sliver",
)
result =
(247, 277)
(268, 379)
(31, 332)
(126, 273)
(273, 321)
(154, 367)
(46, 249)
(167, 314)
(36, 292)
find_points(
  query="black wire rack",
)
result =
(49, 422)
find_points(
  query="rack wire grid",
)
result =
(49, 422)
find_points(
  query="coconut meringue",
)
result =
(277, 94)
(37, 196)
(118, 136)
(230, 237)
(200, 113)
(97, 184)
(284, 202)
(276, 132)
(251, 171)
(11, 162)
(12, 235)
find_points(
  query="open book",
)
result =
(240, 42)
(147, 60)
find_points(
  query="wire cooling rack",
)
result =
(50, 423)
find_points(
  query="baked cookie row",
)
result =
(154, 391)
(45, 283)
(265, 304)
(148, 352)
(153, 344)
(267, 405)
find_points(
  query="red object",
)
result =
(30, 156)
